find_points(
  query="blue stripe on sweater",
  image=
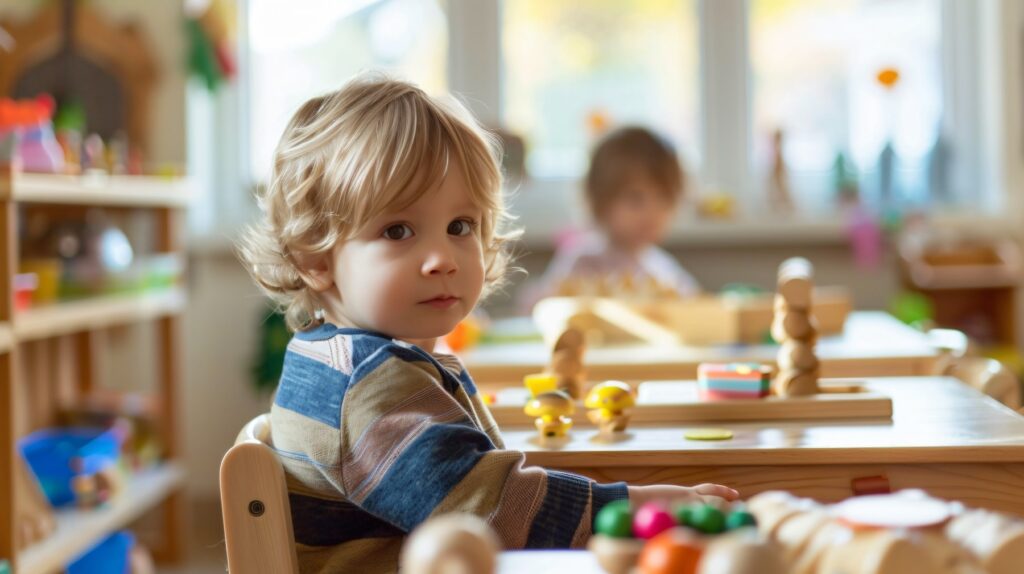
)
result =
(322, 522)
(560, 514)
(311, 389)
(425, 472)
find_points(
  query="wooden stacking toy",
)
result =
(553, 411)
(794, 328)
(567, 362)
(718, 381)
(608, 402)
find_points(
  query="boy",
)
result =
(379, 234)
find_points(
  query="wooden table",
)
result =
(944, 437)
(873, 343)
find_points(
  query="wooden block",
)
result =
(996, 540)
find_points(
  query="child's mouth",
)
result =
(443, 302)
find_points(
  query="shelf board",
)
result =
(101, 189)
(78, 530)
(95, 313)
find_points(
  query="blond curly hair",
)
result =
(374, 146)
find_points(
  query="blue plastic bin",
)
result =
(108, 557)
(51, 452)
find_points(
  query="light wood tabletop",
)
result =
(944, 437)
(873, 343)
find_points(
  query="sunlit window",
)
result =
(573, 69)
(816, 69)
(301, 48)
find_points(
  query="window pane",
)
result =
(569, 65)
(302, 48)
(816, 66)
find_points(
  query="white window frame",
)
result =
(982, 71)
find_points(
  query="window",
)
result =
(815, 69)
(574, 68)
(301, 48)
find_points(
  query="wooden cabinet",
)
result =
(49, 355)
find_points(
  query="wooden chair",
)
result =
(989, 376)
(254, 503)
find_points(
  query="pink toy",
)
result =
(29, 122)
(650, 520)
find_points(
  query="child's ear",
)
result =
(316, 272)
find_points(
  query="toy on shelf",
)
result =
(553, 411)
(456, 542)
(567, 362)
(608, 402)
(733, 381)
(34, 520)
(29, 123)
(903, 533)
(666, 538)
(672, 321)
(795, 329)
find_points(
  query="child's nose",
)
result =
(440, 261)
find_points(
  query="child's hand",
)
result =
(706, 492)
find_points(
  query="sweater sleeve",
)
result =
(409, 451)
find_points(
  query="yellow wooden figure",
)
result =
(553, 411)
(608, 402)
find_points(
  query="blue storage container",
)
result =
(108, 557)
(57, 455)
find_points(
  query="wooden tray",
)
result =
(676, 402)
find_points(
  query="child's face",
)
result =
(412, 274)
(639, 215)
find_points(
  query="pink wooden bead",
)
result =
(650, 520)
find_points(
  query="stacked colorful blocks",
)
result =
(725, 381)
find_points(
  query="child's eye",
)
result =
(398, 232)
(461, 227)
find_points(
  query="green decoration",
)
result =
(615, 520)
(202, 57)
(269, 359)
(912, 308)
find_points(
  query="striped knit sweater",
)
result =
(377, 435)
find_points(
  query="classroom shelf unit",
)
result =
(49, 355)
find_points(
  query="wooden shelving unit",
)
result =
(62, 340)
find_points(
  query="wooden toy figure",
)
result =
(608, 402)
(795, 330)
(553, 411)
(457, 542)
(567, 362)
(779, 198)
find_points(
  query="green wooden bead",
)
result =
(707, 519)
(739, 519)
(683, 514)
(615, 519)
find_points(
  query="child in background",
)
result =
(633, 187)
(379, 233)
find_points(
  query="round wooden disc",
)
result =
(888, 511)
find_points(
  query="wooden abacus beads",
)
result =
(995, 540)
(458, 540)
(794, 329)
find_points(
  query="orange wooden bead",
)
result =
(675, 551)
